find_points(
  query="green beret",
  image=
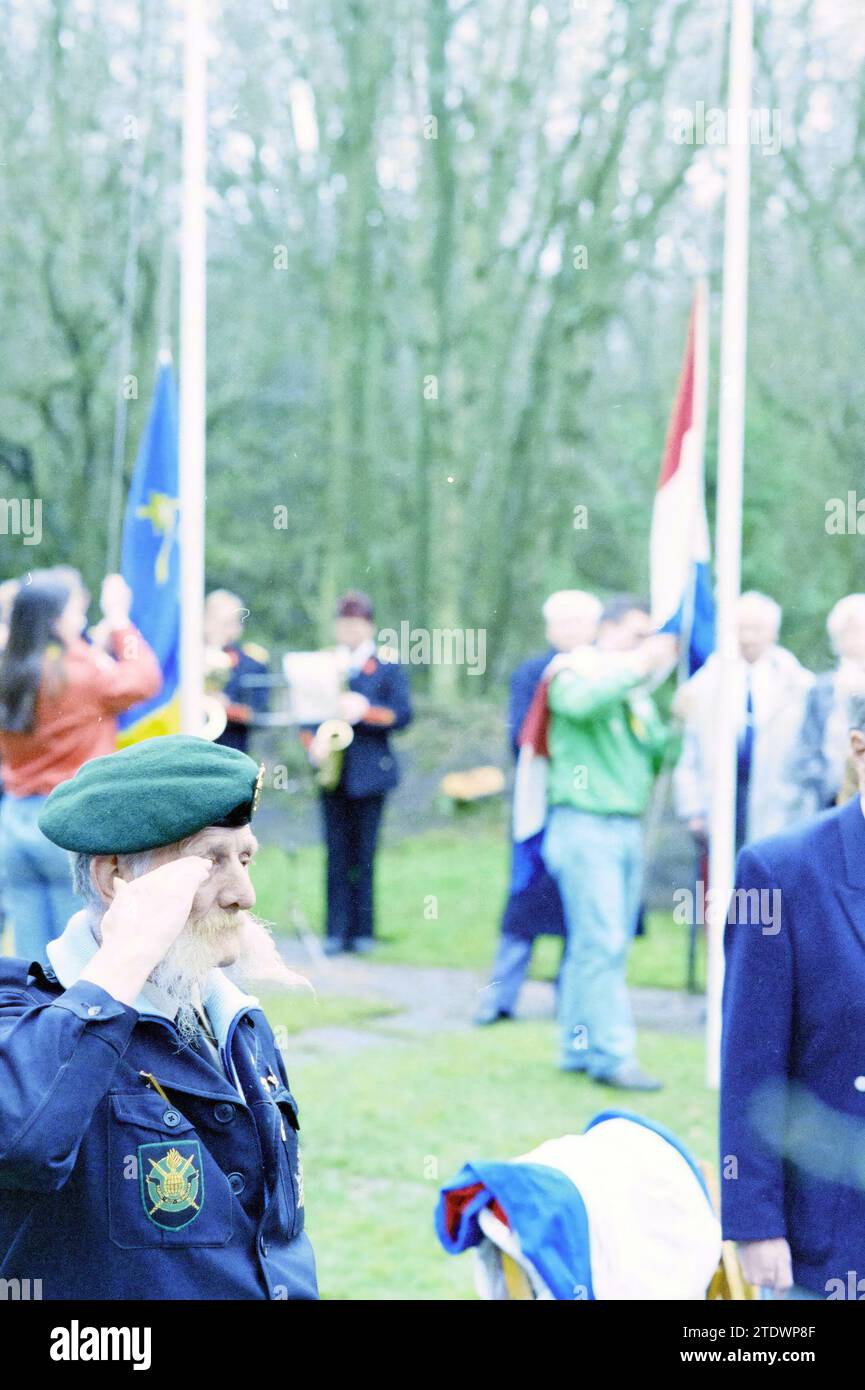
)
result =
(150, 794)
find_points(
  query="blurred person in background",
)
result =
(242, 693)
(79, 592)
(571, 618)
(606, 743)
(772, 691)
(376, 702)
(8, 589)
(792, 1054)
(58, 701)
(824, 743)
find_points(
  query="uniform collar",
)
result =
(72, 952)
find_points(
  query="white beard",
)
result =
(237, 940)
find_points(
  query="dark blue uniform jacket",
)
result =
(369, 763)
(793, 1054)
(247, 697)
(108, 1191)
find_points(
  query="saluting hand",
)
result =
(145, 918)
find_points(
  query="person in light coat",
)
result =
(772, 689)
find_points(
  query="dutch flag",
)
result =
(679, 554)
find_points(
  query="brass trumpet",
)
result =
(315, 681)
(333, 736)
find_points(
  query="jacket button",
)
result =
(237, 1182)
(859, 1083)
(171, 1118)
(94, 1011)
(224, 1113)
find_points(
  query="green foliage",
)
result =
(450, 257)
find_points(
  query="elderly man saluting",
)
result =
(148, 1137)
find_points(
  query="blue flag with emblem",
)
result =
(150, 559)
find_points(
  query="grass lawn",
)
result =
(439, 897)
(384, 1126)
(325, 1011)
(383, 1129)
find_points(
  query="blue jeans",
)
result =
(597, 862)
(513, 958)
(37, 886)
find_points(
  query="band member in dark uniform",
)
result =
(376, 702)
(240, 691)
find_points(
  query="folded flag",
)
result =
(548, 1213)
(620, 1211)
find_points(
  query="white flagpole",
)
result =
(193, 291)
(728, 538)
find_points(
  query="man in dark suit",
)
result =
(571, 617)
(793, 1053)
(376, 703)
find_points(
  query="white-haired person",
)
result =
(823, 747)
(534, 908)
(772, 688)
(244, 692)
(165, 1162)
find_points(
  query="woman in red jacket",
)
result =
(59, 696)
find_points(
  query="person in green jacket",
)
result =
(606, 745)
